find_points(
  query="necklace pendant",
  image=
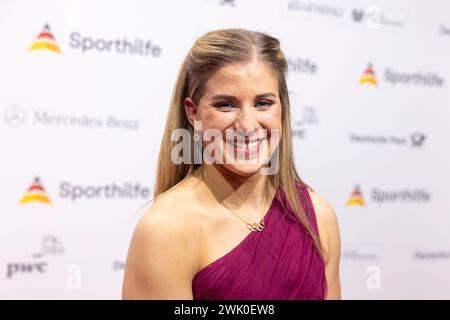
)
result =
(256, 226)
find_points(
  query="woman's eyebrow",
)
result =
(230, 97)
(265, 95)
(223, 97)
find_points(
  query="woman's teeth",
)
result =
(243, 145)
(249, 145)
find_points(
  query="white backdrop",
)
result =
(82, 115)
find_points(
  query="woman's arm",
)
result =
(161, 260)
(330, 238)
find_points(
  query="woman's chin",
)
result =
(244, 169)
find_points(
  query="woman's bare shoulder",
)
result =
(326, 217)
(329, 233)
(163, 254)
(323, 209)
(171, 215)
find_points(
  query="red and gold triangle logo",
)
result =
(356, 198)
(368, 76)
(36, 192)
(45, 41)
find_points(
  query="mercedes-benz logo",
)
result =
(15, 116)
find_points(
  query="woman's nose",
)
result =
(246, 119)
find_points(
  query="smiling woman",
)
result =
(231, 229)
(244, 99)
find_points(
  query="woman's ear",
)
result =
(191, 110)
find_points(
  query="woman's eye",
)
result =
(264, 103)
(224, 105)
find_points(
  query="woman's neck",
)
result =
(237, 192)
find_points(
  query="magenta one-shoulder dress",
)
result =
(279, 263)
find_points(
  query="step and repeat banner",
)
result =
(84, 94)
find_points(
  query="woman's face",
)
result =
(241, 101)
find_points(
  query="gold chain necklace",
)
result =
(256, 226)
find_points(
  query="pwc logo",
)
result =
(45, 41)
(51, 246)
(36, 193)
(368, 77)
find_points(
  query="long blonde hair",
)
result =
(209, 53)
